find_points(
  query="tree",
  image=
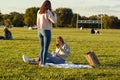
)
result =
(74, 20)
(6, 20)
(64, 17)
(1, 19)
(17, 19)
(8, 23)
(109, 21)
(30, 16)
(114, 22)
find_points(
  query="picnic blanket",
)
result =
(69, 65)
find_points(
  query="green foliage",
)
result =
(30, 16)
(1, 19)
(64, 17)
(106, 46)
(7, 23)
(74, 19)
(17, 19)
(110, 22)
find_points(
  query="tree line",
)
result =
(65, 18)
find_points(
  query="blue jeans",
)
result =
(1, 37)
(8, 36)
(54, 59)
(45, 38)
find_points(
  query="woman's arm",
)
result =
(51, 17)
(38, 19)
(65, 50)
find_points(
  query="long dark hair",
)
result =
(61, 39)
(6, 31)
(45, 6)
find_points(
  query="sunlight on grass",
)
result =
(106, 46)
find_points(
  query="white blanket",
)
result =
(69, 65)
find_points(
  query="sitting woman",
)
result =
(7, 34)
(92, 31)
(58, 56)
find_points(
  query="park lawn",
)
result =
(106, 46)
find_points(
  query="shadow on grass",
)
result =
(115, 65)
(111, 63)
(110, 56)
(26, 39)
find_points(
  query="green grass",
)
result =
(106, 46)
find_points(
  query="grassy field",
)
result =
(106, 46)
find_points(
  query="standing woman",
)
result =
(45, 18)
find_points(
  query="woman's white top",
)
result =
(44, 21)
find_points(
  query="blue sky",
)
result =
(83, 7)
